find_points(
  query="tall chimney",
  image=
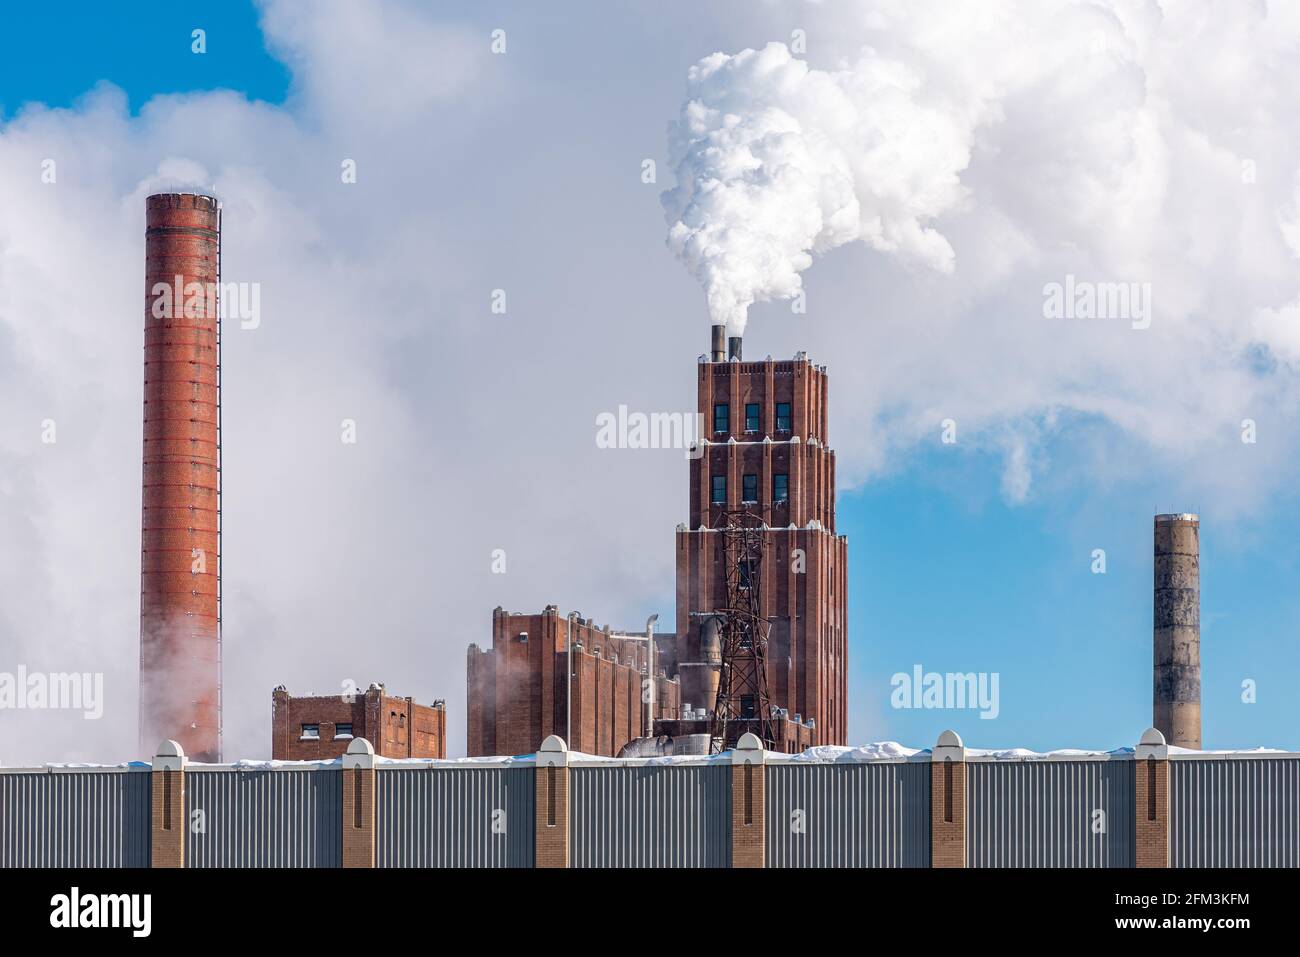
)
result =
(719, 344)
(180, 555)
(1177, 634)
(733, 347)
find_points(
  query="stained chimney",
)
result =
(733, 347)
(719, 349)
(1176, 710)
(180, 555)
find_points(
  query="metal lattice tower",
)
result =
(743, 703)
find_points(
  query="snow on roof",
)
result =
(835, 754)
(879, 751)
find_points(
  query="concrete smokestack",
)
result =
(733, 347)
(180, 560)
(1177, 634)
(719, 343)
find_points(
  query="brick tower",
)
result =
(180, 591)
(766, 451)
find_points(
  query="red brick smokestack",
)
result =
(180, 626)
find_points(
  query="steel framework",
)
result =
(743, 702)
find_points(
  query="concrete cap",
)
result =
(748, 750)
(553, 753)
(949, 747)
(1151, 745)
(360, 754)
(1178, 517)
(170, 756)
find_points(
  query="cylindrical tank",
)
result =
(1177, 629)
(180, 562)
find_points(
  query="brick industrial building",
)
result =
(764, 450)
(767, 451)
(318, 727)
(519, 689)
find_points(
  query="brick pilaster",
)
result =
(359, 804)
(748, 767)
(552, 784)
(948, 802)
(1151, 800)
(167, 826)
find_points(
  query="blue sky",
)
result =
(526, 168)
(54, 53)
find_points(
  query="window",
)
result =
(310, 732)
(780, 487)
(750, 489)
(747, 709)
(342, 731)
(719, 490)
(746, 577)
(751, 416)
(783, 416)
(721, 418)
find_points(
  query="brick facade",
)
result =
(552, 805)
(748, 803)
(517, 690)
(359, 805)
(1151, 801)
(167, 822)
(396, 727)
(948, 802)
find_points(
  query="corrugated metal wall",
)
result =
(74, 819)
(444, 817)
(1041, 813)
(650, 816)
(1235, 813)
(852, 815)
(265, 818)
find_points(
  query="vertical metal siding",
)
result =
(1235, 813)
(74, 819)
(650, 816)
(265, 818)
(853, 815)
(443, 817)
(1040, 813)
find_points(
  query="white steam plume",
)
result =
(776, 162)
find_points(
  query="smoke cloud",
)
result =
(777, 163)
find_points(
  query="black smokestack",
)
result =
(733, 348)
(719, 343)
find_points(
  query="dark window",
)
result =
(783, 416)
(750, 489)
(746, 574)
(311, 731)
(719, 490)
(780, 487)
(747, 709)
(751, 416)
(721, 417)
(342, 730)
